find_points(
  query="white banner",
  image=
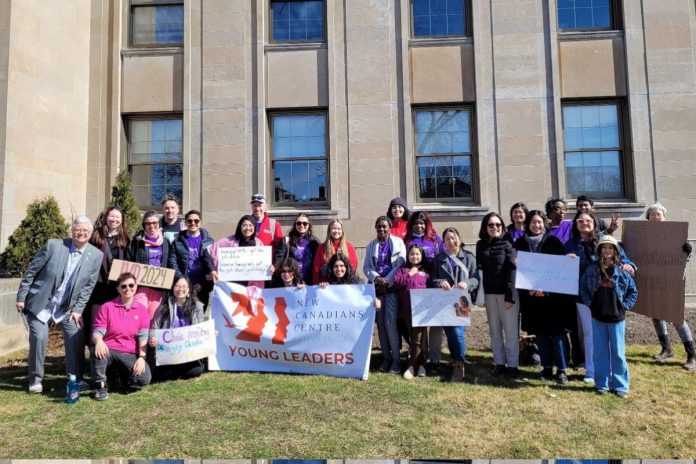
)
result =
(242, 264)
(440, 308)
(185, 344)
(550, 273)
(305, 331)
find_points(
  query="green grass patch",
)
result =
(252, 415)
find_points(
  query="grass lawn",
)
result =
(227, 415)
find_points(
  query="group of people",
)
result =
(68, 282)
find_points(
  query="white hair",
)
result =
(656, 207)
(82, 220)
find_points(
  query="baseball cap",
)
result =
(258, 197)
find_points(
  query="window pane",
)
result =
(299, 20)
(433, 18)
(299, 136)
(444, 176)
(152, 182)
(584, 14)
(590, 126)
(158, 25)
(442, 131)
(300, 181)
(594, 173)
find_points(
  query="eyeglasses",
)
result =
(301, 223)
(125, 286)
(151, 224)
(494, 225)
(193, 221)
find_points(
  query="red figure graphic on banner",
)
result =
(257, 319)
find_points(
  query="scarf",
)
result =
(534, 242)
(153, 241)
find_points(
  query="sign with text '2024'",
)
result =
(550, 273)
(238, 264)
(306, 330)
(145, 275)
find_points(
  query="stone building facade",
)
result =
(335, 106)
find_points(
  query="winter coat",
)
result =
(137, 251)
(398, 257)
(624, 286)
(164, 316)
(179, 253)
(286, 249)
(444, 272)
(405, 283)
(494, 259)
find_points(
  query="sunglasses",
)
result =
(125, 286)
(193, 221)
(494, 225)
(148, 224)
(301, 223)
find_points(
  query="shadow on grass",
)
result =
(13, 377)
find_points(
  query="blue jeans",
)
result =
(611, 369)
(387, 331)
(456, 342)
(551, 351)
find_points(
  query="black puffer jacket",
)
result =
(494, 259)
(137, 251)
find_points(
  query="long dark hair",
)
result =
(189, 306)
(349, 278)
(483, 234)
(528, 220)
(430, 232)
(424, 264)
(238, 232)
(101, 229)
(294, 235)
(280, 265)
(519, 204)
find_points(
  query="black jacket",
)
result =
(494, 259)
(137, 251)
(179, 253)
(284, 249)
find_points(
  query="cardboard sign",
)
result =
(440, 308)
(656, 248)
(550, 273)
(145, 275)
(304, 331)
(184, 344)
(244, 263)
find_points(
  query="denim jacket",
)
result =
(624, 286)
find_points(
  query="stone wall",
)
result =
(13, 333)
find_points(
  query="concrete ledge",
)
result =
(13, 333)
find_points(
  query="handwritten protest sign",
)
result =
(244, 263)
(145, 275)
(185, 344)
(656, 248)
(440, 308)
(306, 331)
(550, 273)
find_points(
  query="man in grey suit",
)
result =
(57, 285)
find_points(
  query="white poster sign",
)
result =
(305, 331)
(438, 307)
(244, 263)
(550, 273)
(185, 344)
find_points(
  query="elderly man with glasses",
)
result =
(57, 286)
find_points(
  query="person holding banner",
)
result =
(657, 213)
(383, 257)
(335, 242)
(399, 215)
(455, 268)
(494, 256)
(609, 292)
(149, 247)
(548, 316)
(518, 215)
(181, 309)
(244, 236)
(188, 257)
(300, 244)
(120, 337)
(412, 275)
(287, 274)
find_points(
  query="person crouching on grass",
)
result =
(609, 291)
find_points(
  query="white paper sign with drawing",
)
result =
(440, 308)
(244, 263)
(550, 273)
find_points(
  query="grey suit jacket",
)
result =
(46, 272)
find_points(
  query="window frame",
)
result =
(272, 40)
(467, 25)
(135, 4)
(129, 119)
(616, 21)
(473, 156)
(271, 114)
(624, 149)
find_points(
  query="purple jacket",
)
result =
(405, 282)
(431, 248)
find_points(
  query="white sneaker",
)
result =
(421, 371)
(408, 375)
(36, 388)
(588, 380)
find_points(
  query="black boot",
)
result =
(690, 364)
(666, 352)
